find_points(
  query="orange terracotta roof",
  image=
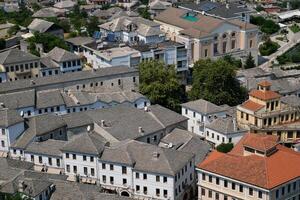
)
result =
(264, 95)
(264, 172)
(264, 83)
(250, 105)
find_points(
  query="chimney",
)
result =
(141, 129)
(155, 154)
(21, 186)
(102, 123)
(234, 124)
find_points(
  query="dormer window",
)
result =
(233, 34)
(224, 35)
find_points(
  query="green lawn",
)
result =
(295, 28)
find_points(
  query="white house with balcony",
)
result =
(200, 114)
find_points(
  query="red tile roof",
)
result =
(264, 83)
(264, 95)
(250, 105)
(265, 172)
(261, 142)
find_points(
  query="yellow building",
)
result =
(266, 112)
(209, 37)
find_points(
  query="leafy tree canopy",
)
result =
(48, 41)
(160, 84)
(268, 47)
(215, 81)
(21, 18)
(225, 148)
(266, 25)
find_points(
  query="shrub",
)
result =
(225, 148)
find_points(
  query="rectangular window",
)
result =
(92, 171)
(124, 170)
(217, 181)
(85, 170)
(57, 162)
(68, 168)
(50, 161)
(67, 155)
(104, 179)
(203, 177)
(92, 159)
(225, 183)
(145, 190)
(111, 179)
(260, 194)
(84, 157)
(250, 191)
(111, 167)
(74, 156)
(124, 181)
(32, 158)
(157, 192)
(165, 193)
(40, 159)
(233, 186)
(137, 175)
(103, 166)
(137, 188)
(210, 178)
(75, 169)
(165, 179)
(157, 178)
(144, 176)
(241, 188)
(2, 143)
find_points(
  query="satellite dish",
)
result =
(22, 113)
(88, 128)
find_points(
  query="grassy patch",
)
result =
(295, 28)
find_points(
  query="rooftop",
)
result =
(203, 106)
(15, 55)
(261, 171)
(61, 55)
(225, 126)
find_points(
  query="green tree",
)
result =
(144, 13)
(48, 41)
(225, 148)
(268, 47)
(92, 25)
(13, 30)
(215, 81)
(250, 63)
(160, 84)
(236, 62)
(266, 25)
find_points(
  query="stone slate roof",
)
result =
(9, 117)
(38, 126)
(78, 191)
(18, 99)
(203, 106)
(186, 141)
(15, 55)
(49, 98)
(80, 40)
(121, 122)
(144, 27)
(26, 84)
(34, 187)
(291, 100)
(224, 126)
(88, 143)
(147, 157)
(47, 62)
(46, 12)
(48, 147)
(217, 9)
(61, 55)
(40, 25)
